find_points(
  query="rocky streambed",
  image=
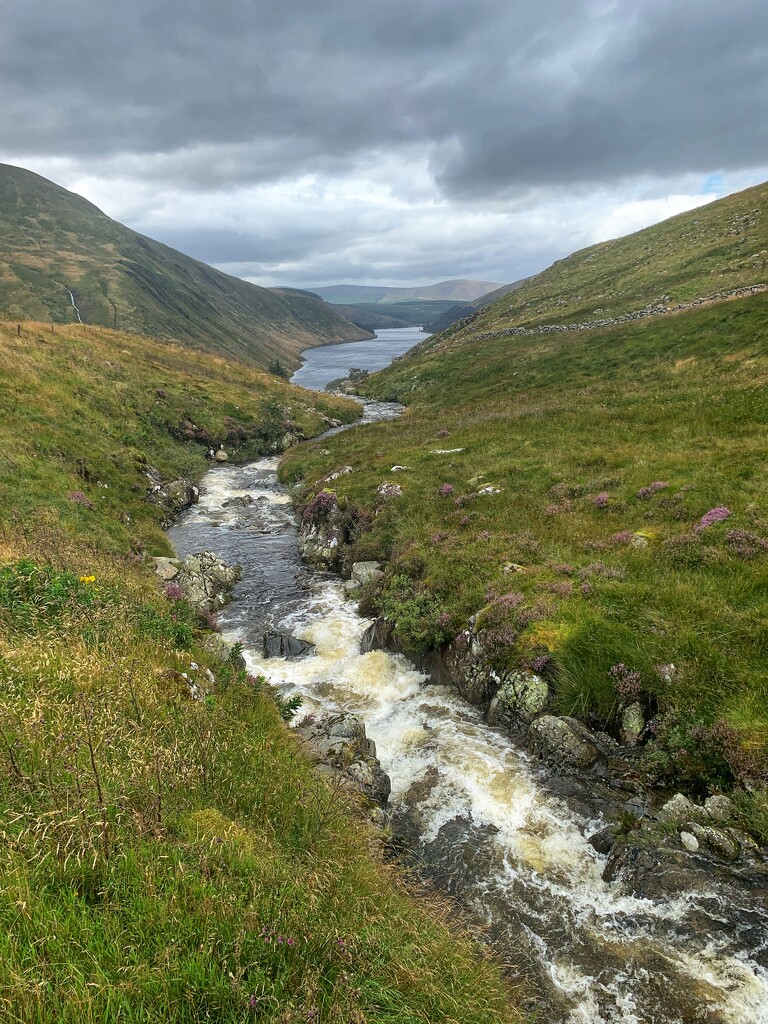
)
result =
(607, 929)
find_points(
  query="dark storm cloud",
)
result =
(503, 96)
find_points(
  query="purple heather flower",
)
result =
(657, 485)
(80, 499)
(436, 538)
(623, 537)
(601, 500)
(445, 490)
(540, 663)
(715, 515)
(173, 592)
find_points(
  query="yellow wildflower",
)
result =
(87, 579)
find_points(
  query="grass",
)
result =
(164, 858)
(607, 449)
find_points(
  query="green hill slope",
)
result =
(595, 498)
(53, 243)
(713, 249)
(459, 290)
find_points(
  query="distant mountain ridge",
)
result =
(62, 259)
(458, 290)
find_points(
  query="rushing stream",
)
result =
(486, 827)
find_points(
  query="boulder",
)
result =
(340, 742)
(521, 697)
(389, 490)
(167, 568)
(240, 501)
(282, 645)
(720, 807)
(563, 742)
(174, 497)
(366, 572)
(715, 839)
(207, 582)
(632, 724)
(320, 544)
(680, 809)
(221, 456)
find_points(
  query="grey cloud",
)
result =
(504, 96)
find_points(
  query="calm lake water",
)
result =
(330, 362)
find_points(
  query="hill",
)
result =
(593, 499)
(62, 259)
(451, 291)
(167, 852)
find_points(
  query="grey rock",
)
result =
(632, 724)
(167, 568)
(240, 501)
(320, 545)
(718, 841)
(365, 572)
(564, 742)
(689, 841)
(680, 809)
(206, 581)
(720, 807)
(220, 648)
(174, 497)
(389, 490)
(340, 742)
(221, 456)
(283, 645)
(521, 697)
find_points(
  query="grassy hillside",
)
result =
(163, 858)
(626, 525)
(715, 248)
(53, 242)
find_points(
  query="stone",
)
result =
(638, 541)
(564, 742)
(174, 497)
(344, 471)
(283, 645)
(521, 697)
(604, 840)
(350, 587)
(718, 841)
(689, 841)
(206, 581)
(167, 568)
(632, 724)
(288, 441)
(240, 501)
(389, 490)
(320, 544)
(221, 456)
(366, 572)
(489, 489)
(680, 809)
(399, 469)
(340, 742)
(720, 807)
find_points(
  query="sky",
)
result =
(401, 142)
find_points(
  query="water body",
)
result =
(516, 855)
(331, 362)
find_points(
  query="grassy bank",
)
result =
(625, 530)
(164, 858)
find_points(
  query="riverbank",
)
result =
(166, 851)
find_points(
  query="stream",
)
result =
(475, 807)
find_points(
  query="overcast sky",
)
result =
(399, 141)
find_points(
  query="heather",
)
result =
(633, 458)
(166, 851)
